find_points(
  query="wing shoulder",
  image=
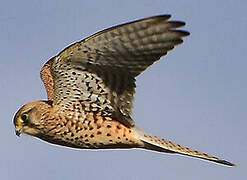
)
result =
(48, 80)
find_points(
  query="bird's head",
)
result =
(29, 118)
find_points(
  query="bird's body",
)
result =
(90, 87)
(94, 132)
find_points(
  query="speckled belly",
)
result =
(96, 132)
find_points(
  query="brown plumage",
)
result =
(90, 87)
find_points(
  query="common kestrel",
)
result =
(90, 87)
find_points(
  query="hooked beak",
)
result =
(17, 123)
(18, 132)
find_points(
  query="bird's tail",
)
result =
(161, 145)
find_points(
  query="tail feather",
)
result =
(161, 145)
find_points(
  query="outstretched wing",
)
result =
(99, 72)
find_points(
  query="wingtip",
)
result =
(185, 33)
(160, 17)
(164, 15)
(177, 24)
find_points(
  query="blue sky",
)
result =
(195, 96)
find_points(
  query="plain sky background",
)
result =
(195, 96)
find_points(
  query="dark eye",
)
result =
(24, 117)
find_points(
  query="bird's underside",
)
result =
(90, 87)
